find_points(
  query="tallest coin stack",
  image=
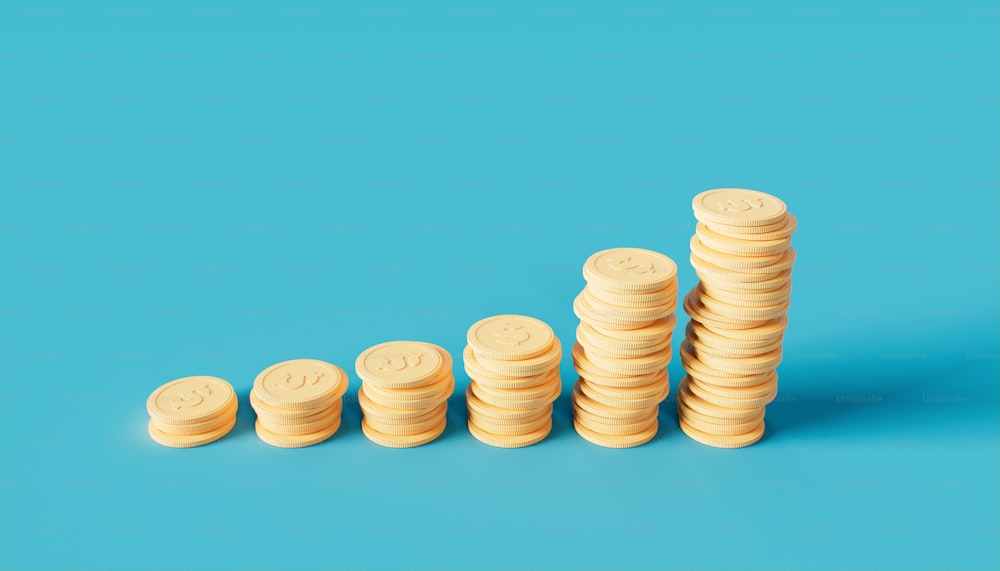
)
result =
(742, 253)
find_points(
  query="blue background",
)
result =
(211, 187)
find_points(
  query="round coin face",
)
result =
(399, 364)
(510, 337)
(190, 400)
(300, 383)
(630, 270)
(738, 207)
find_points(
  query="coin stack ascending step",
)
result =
(404, 392)
(191, 411)
(298, 402)
(623, 345)
(742, 253)
(513, 366)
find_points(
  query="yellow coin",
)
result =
(190, 440)
(610, 312)
(659, 298)
(476, 405)
(659, 380)
(713, 426)
(510, 337)
(742, 401)
(655, 331)
(715, 274)
(734, 262)
(766, 386)
(525, 367)
(417, 426)
(600, 410)
(604, 318)
(766, 331)
(624, 402)
(698, 332)
(403, 440)
(776, 231)
(752, 299)
(401, 364)
(617, 440)
(629, 270)
(511, 441)
(413, 417)
(519, 394)
(500, 429)
(716, 321)
(595, 374)
(593, 344)
(699, 370)
(297, 440)
(484, 419)
(597, 339)
(265, 415)
(386, 398)
(281, 414)
(190, 400)
(628, 367)
(738, 247)
(306, 426)
(202, 427)
(752, 365)
(712, 283)
(517, 404)
(757, 314)
(300, 383)
(614, 428)
(487, 379)
(708, 409)
(723, 440)
(368, 406)
(738, 207)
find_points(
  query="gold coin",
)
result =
(764, 387)
(776, 231)
(403, 441)
(630, 367)
(713, 426)
(733, 262)
(602, 318)
(610, 312)
(377, 419)
(190, 400)
(708, 304)
(653, 331)
(529, 417)
(715, 283)
(713, 410)
(740, 247)
(593, 374)
(525, 367)
(738, 207)
(303, 427)
(300, 383)
(666, 297)
(489, 427)
(762, 332)
(705, 336)
(387, 398)
(369, 406)
(474, 403)
(721, 440)
(202, 427)
(513, 404)
(296, 440)
(526, 394)
(629, 270)
(600, 410)
(746, 299)
(614, 428)
(511, 441)
(653, 388)
(510, 337)
(401, 364)
(623, 402)
(265, 415)
(417, 426)
(617, 440)
(712, 273)
(598, 340)
(757, 364)
(741, 402)
(189, 440)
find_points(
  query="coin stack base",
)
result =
(513, 366)
(404, 393)
(742, 253)
(192, 411)
(623, 345)
(298, 402)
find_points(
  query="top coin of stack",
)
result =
(513, 364)
(298, 402)
(404, 392)
(742, 253)
(191, 411)
(623, 346)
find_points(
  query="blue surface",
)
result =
(211, 187)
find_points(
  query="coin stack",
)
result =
(513, 366)
(623, 346)
(191, 411)
(742, 254)
(298, 402)
(404, 392)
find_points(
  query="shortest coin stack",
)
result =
(298, 402)
(191, 411)
(405, 387)
(513, 364)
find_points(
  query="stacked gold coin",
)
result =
(623, 346)
(404, 392)
(191, 411)
(298, 402)
(513, 366)
(742, 253)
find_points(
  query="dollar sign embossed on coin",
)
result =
(747, 204)
(188, 400)
(292, 382)
(629, 266)
(511, 334)
(397, 361)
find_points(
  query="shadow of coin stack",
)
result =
(405, 387)
(742, 253)
(623, 345)
(513, 365)
(298, 402)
